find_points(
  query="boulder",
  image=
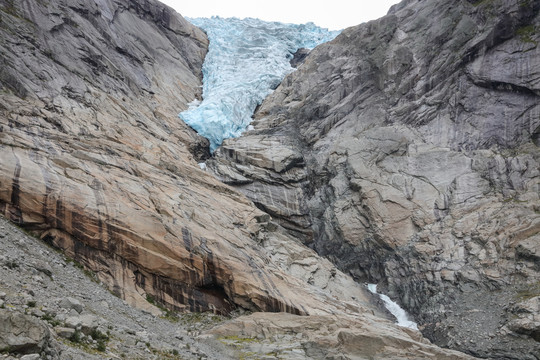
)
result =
(22, 334)
(71, 303)
(65, 332)
(85, 323)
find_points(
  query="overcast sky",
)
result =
(332, 14)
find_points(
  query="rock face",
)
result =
(95, 161)
(406, 151)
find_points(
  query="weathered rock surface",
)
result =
(406, 151)
(95, 161)
(138, 334)
(22, 334)
(325, 337)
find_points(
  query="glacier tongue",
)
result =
(246, 59)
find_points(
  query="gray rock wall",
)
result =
(406, 151)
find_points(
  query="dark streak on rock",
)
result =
(15, 214)
(188, 241)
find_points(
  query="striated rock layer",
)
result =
(407, 152)
(95, 161)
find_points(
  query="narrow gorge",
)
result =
(403, 152)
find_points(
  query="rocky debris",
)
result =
(65, 332)
(85, 323)
(413, 168)
(31, 357)
(107, 326)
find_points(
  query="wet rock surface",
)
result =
(405, 152)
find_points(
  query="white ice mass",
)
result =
(246, 60)
(396, 310)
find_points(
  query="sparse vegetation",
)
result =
(101, 346)
(51, 320)
(525, 34)
(76, 337)
(98, 335)
(238, 339)
(101, 339)
(12, 265)
(31, 304)
(529, 292)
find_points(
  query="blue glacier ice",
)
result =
(247, 58)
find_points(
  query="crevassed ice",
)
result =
(394, 308)
(247, 58)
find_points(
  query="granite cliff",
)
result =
(414, 168)
(406, 151)
(95, 162)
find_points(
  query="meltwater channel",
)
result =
(401, 316)
(246, 60)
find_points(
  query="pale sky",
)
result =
(332, 14)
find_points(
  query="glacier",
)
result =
(246, 60)
(401, 315)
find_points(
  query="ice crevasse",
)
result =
(246, 60)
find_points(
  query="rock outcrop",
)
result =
(95, 161)
(285, 336)
(406, 151)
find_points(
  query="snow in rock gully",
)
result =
(246, 59)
